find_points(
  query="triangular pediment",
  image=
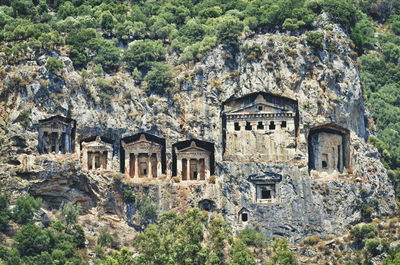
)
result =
(193, 148)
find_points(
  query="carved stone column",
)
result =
(207, 168)
(149, 173)
(109, 160)
(188, 169)
(159, 165)
(179, 167)
(127, 162)
(58, 141)
(136, 165)
(198, 169)
(94, 160)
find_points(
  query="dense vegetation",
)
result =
(189, 239)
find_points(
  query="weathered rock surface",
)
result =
(326, 86)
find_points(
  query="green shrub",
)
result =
(314, 39)
(129, 196)
(159, 78)
(104, 239)
(252, 237)
(70, 212)
(24, 209)
(241, 255)
(54, 65)
(371, 245)
(5, 213)
(359, 233)
(147, 211)
(31, 240)
(142, 53)
(229, 30)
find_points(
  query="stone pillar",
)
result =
(85, 159)
(179, 167)
(127, 163)
(198, 169)
(109, 160)
(149, 173)
(94, 160)
(188, 168)
(207, 168)
(136, 165)
(159, 165)
(58, 141)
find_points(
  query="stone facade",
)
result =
(96, 155)
(142, 158)
(193, 163)
(260, 127)
(56, 135)
(329, 148)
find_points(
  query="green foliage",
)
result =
(359, 233)
(5, 213)
(252, 237)
(221, 237)
(342, 11)
(315, 39)
(31, 240)
(229, 30)
(253, 52)
(176, 240)
(159, 77)
(283, 255)
(142, 53)
(241, 255)
(70, 212)
(104, 239)
(24, 209)
(147, 210)
(363, 34)
(123, 257)
(54, 65)
(129, 196)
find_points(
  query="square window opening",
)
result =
(248, 126)
(283, 124)
(260, 125)
(272, 125)
(237, 126)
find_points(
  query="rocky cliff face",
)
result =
(325, 84)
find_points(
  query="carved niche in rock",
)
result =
(56, 135)
(260, 127)
(97, 154)
(193, 162)
(144, 156)
(267, 187)
(328, 148)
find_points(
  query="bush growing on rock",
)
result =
(24, 209)
(359, 233)
(5, 213)
(54, 65)
(252, 237)
(70, 212)
(314, 39)
(159, 78)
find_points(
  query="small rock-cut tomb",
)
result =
(97, 154)
(56, 134)
(328, 148)
(260, 127)
(143, 156)
(193, 161)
